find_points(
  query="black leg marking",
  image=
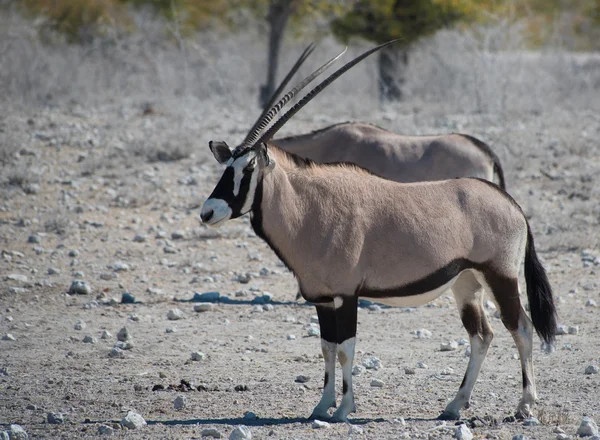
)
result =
(506, 293)
(346, 317)
(526, 382)
(326, 381)
(344, 387)
(327, 322)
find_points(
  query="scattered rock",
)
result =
(354, 430)
(302, 379)
(319, 424)
(531, 421)
(80, 325)
(105, 430)
(289, 319)
(240, 433)
(447, 371)
(371, 363)
(55, 418)
(204, 307)
(8, 337)
(123, 335)
(124, 345)
(198, 356)
(422, 365)
(377, 383)
(591, 303)
(16, 432)
(89, 339)
(357, 370)
(175, 314)
(257, 309)
(408, 370)
(587, 427)
(177, 235)
(206, 297)
(562, 436)
(520, 437)
(423, 333)
(171, 330)
(314, 331)
(4, 435)
(242, 387)
(17, 277)
(573, 329)
(268, 307)
(73, 253)
(53, 271)
(462, 432)
(448, 346)
(591, 369)
(179, 403)
(127, 298)
(211, 432)
(291, 337)
(133, 421)
(249, 415)
(116, 353)
(139, 238)
(79, 287)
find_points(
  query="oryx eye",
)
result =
(250, 166)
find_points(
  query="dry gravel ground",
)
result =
(90, 181)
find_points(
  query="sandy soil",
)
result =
(95, 196)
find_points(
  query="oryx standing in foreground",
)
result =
(398, 157)
(347, 234)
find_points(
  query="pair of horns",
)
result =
(254, 137)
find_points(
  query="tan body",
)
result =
(397, 157)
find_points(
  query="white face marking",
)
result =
(221, 212)
(238, 166)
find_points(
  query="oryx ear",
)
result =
(220, 150)
(270, 164)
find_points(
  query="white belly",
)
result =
(413, 300)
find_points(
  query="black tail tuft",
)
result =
(539, 293)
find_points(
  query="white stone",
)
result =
(562, 329)
(462, 432)
(423, 333)
(291, 337)
(268, 307)
(447, 371)
(313, 331)
(377, 383)
(175, 314)
(123, 335)
(573, 329)
(80, 325)
(531, 421)
(357, 370)
(120, 267)
(89, 339)
(204, 307)
(240, 433)
(16, 432)
(319, 424)
(8, 337)
(371, 363)
(422, 365)
(449, 346)
(591, 303)
(116, 353)
(587, 427)
(105, 430)
(179, 403)
(133, 421)
(198, 356)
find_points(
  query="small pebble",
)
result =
(127, 298)
(240, 432)
(211, 432)
(73, 253)
(573, 329)
(591, 303)
(123, 335)
(53, 271)
(249, 415)
(16, 432)
(408, 370)
(357, 370)
(179, 403)
(313, 331)
(133, 421)
(377, 383)
(423, 333)
(291, 337)
(89, 339)
(422, 365)
(177, 235)
(562, 329)
(116, 353)
(171, 330)
(198, 356)
(531, 421)
(562, 437)
(175, 314)
(8, 337)
(55, 418)
(80, 325)
(204, 307)
(587, 427)
(520, 437)
(371, 363)
(268, 307)
(34, 238)
(105, 430)
(462, 432)
(448, 346)
(302, 379)
(139, 238)
(124, 345)
(591, 369)
(120, 267)
(447, 371)
(319, 424)
(79, 287)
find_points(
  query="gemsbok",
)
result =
(398, 157)
(347, 234)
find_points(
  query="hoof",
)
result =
(448, 416)
(338, 419)
(509, 419)
(318, 416)
(522, 415)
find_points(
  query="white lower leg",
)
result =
(523, 338)
(328, 398)
(479, 348)
(346, 356)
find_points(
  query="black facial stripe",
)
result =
(224, 191)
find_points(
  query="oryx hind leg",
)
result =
(469, 298)
(505, 291)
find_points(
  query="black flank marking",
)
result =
(506, 293)
(485, 148)
(426, 284)
(327, 322)
(344, 387)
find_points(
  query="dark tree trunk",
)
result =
(277, 18)
(392, 69)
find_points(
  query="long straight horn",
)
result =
(282, 86)
(264, 122)
(314, 92)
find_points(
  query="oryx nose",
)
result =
(206, 215)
